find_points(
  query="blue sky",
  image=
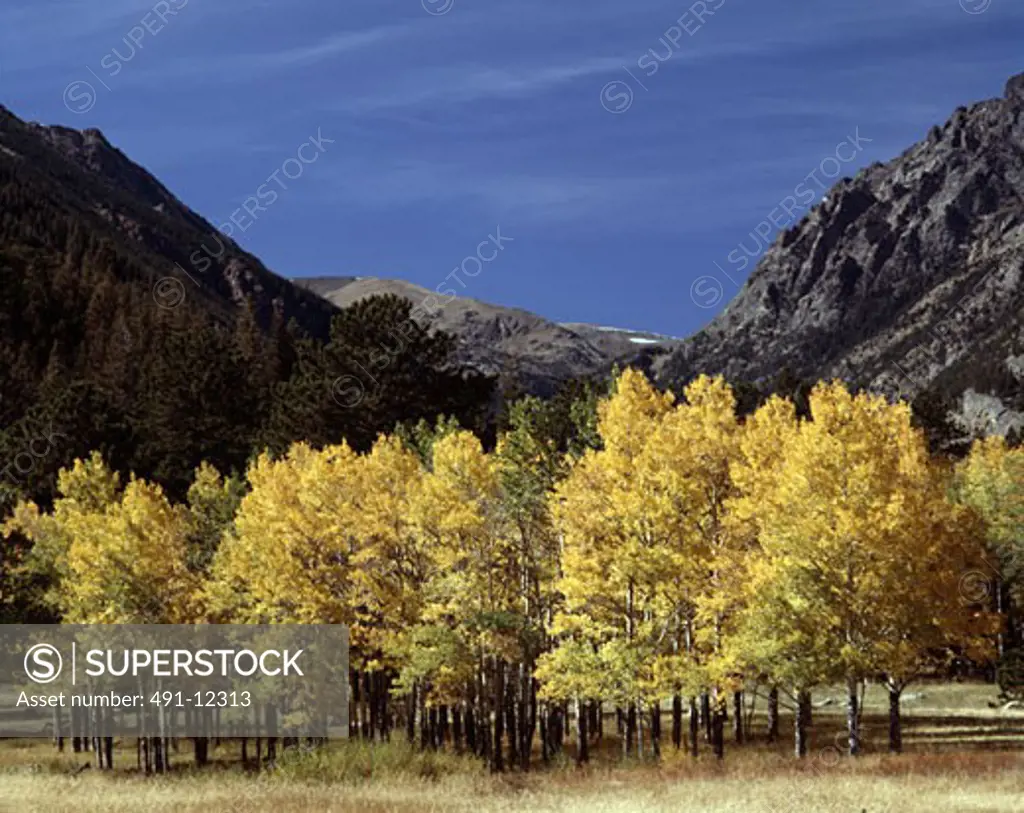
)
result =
(453, 117)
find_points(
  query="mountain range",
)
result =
(906, 278)
(530, 352)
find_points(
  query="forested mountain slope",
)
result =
(128, 326)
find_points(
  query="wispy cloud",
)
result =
(523, 195)
(473, 83)
(66, 20)
(235, 68)
(333, 46)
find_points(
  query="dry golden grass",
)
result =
(963, 758)
(872, 786)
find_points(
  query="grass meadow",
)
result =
(962, 756)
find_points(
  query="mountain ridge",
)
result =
(527, 350)
(83, 173)
(185, 256)
(905, 279)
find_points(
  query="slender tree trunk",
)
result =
(161, 716)
(525, 715)
(97, 750)
(737, 723)
(485, 728)
(773, 714)
(158, 755)
(355, 706)
(199, 751)
(471, 737)
(594, 719)
(705, 714)
(369, 712)
(694, 728)
(432, 733)
(76, 729)
(498, 717)
(656, 729)
(800, 723)
(97, 740)
(272, 731)
(511, 725)
(677, 721)
(379, 713)
(535, 706)
(582, 752)
(367, 706)
(545, 734)
(410, 713)
(640, 729)
(718, 711)
(1001, 610)
(424, 717)
(630, 738)
(58, 728)
(895, 721)
(381, 690)
(389, 714)
(558, 723)
(201, 745)
(853, 716)
(457, 729)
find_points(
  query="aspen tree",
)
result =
(610, 555)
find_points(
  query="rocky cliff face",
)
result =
(907, 277)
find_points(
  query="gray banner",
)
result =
(173, 681)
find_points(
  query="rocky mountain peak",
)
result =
(904, 277)
(1015, 89)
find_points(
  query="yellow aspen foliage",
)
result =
(393, 562)
(762, 446)
(468, 620)
(289, 557)
(455, 514)
(87, 487)
(664, 549)
(991, 481)
(118, 557)
(129, 564)
(611, 555)
(855, 538)
(212, 502)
